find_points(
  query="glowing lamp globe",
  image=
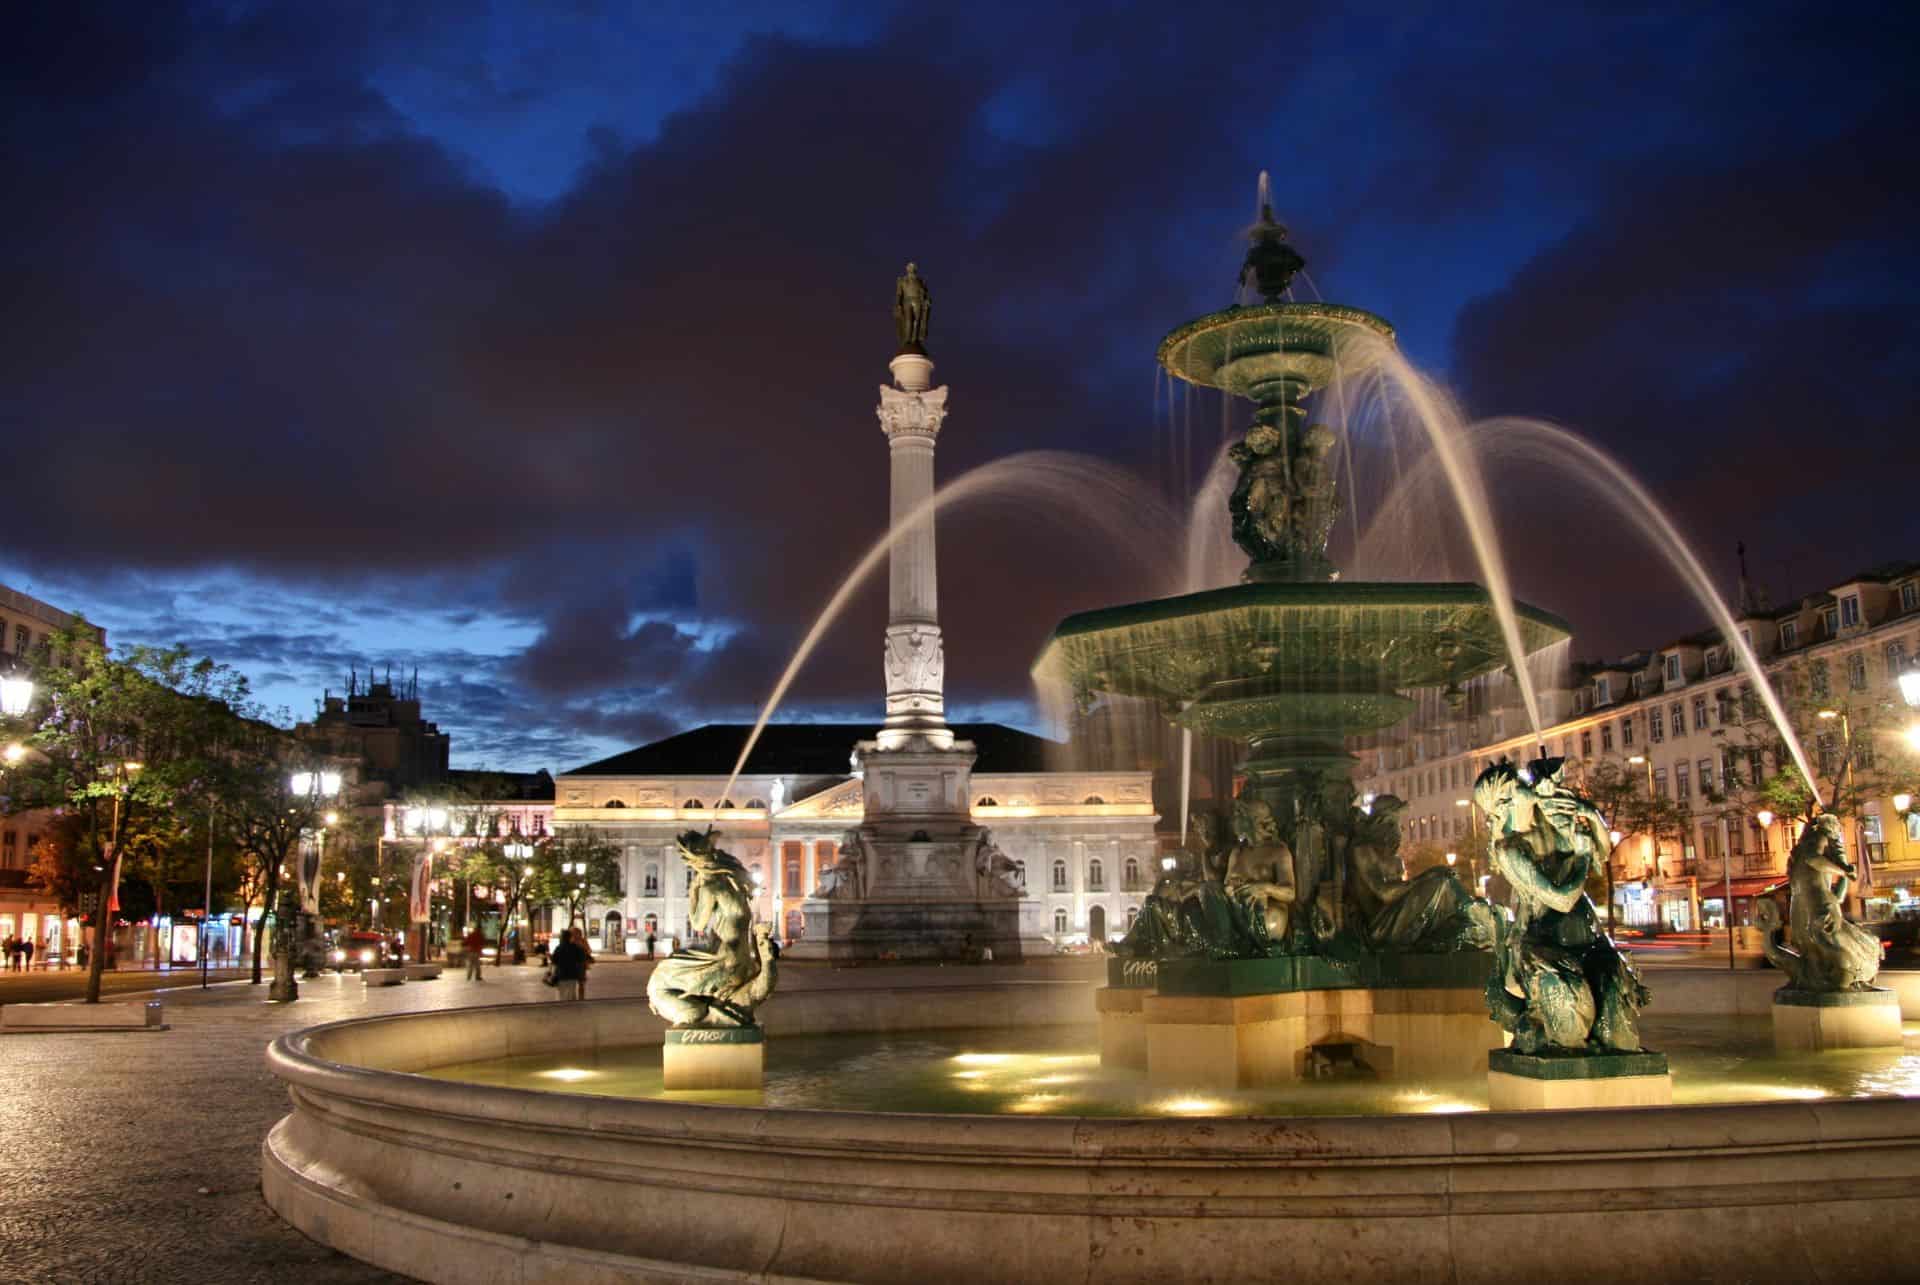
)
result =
(15, 695)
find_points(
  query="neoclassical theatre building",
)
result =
(1084, 841)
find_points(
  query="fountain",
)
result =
(1293, 662)
(1314, 1026)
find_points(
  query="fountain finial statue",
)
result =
(1271, 262)
(722, 986)
(1559, 984)
(912, 309)
(1828, 953)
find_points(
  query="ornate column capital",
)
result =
(911, 414)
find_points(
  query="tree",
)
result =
(573, 868)
(1627, 799)
(512, 868)
(121, 746)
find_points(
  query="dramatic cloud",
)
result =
(539, 352)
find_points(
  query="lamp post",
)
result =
(518, 853)
(109, 894)
(575, 904)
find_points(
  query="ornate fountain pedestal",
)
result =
(1810, 1021)
(714, 1057)
(1575, 1081)
(1252, 1022)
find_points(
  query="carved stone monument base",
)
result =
(1809, 1021)
(1228, 1041)
(1575, 1081)
(714, 1058)
(851, 931)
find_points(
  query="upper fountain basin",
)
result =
(1345, 644)
(1247, 351)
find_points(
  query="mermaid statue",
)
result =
(723, 985)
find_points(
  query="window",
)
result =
(1660, 782)
(792, 879)
(1825, 749)
(986, 801)
(692, 805)
(726, 803)
(1682, 781)
(1059, 876)
(1817, 678)
(1910, 601)
(1130, 873)
(1059, 921)
(1602, 690)
(1870, 827)
(1586, 743)
(539, 823)
(1789, 634)
(1850, 611)
(1913, 818)
(9, 843)
(1626, 732)
(1699, 714)
(1857, 671)
(22, 636)
(1096, 876)
(760, 804)
(1678, 714)
(1709, 838)
(613, 803)
(1093, 801)
(1639, 683)
(651, 881)
(1606, 738)
(1656, 725)
(1896, 660)
(1020, 873)
(1706, 775)
(1831, 619)
(1673, 668)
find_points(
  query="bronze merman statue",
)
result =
(1559, 984)
(1260, 875)
(1828, 953)
(1431, 912)
(722, 986)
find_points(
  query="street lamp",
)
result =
(16, 694)
(1910, 684)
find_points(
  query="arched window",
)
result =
(652, 881)
(1130, 873)
(757, 803)
(613, 803)
(692, 805)
(726, 803)
(1093, 799)
(1096, 876)
(1020, 873)
(1133, 913)
(1059, 876)
(986, 801)
(1060, 921)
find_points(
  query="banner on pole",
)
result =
(417, 901)
(309, 868)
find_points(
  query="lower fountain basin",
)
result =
(475, 1182)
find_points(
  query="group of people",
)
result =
(19, 954)
(568, 958)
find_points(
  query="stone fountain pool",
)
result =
(1057, 1071)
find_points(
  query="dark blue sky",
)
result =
(538, 349)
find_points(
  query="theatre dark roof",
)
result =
(805, 749)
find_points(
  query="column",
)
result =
(911, 413)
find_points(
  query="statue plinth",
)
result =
(1576, 1080)
(1811, 1021)
(702, 1058)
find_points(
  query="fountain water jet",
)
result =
(1059, 477)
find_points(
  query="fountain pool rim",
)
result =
(455, 1181)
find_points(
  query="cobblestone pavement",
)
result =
(135, 1156)
(42, 986)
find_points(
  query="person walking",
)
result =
(569, 967)
(650, 940)
(475, 941)
(26, 953)
(13, 953)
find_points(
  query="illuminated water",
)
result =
(1057, 1071)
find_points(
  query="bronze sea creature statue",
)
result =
(1828, 952)
(721, 986)
(1188, 914)
(1559, 984)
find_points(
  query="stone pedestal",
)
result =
(1247, 1023)
(1574, 1081)
(1809, 1021)
(706, 1057)
(1123, 1031)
